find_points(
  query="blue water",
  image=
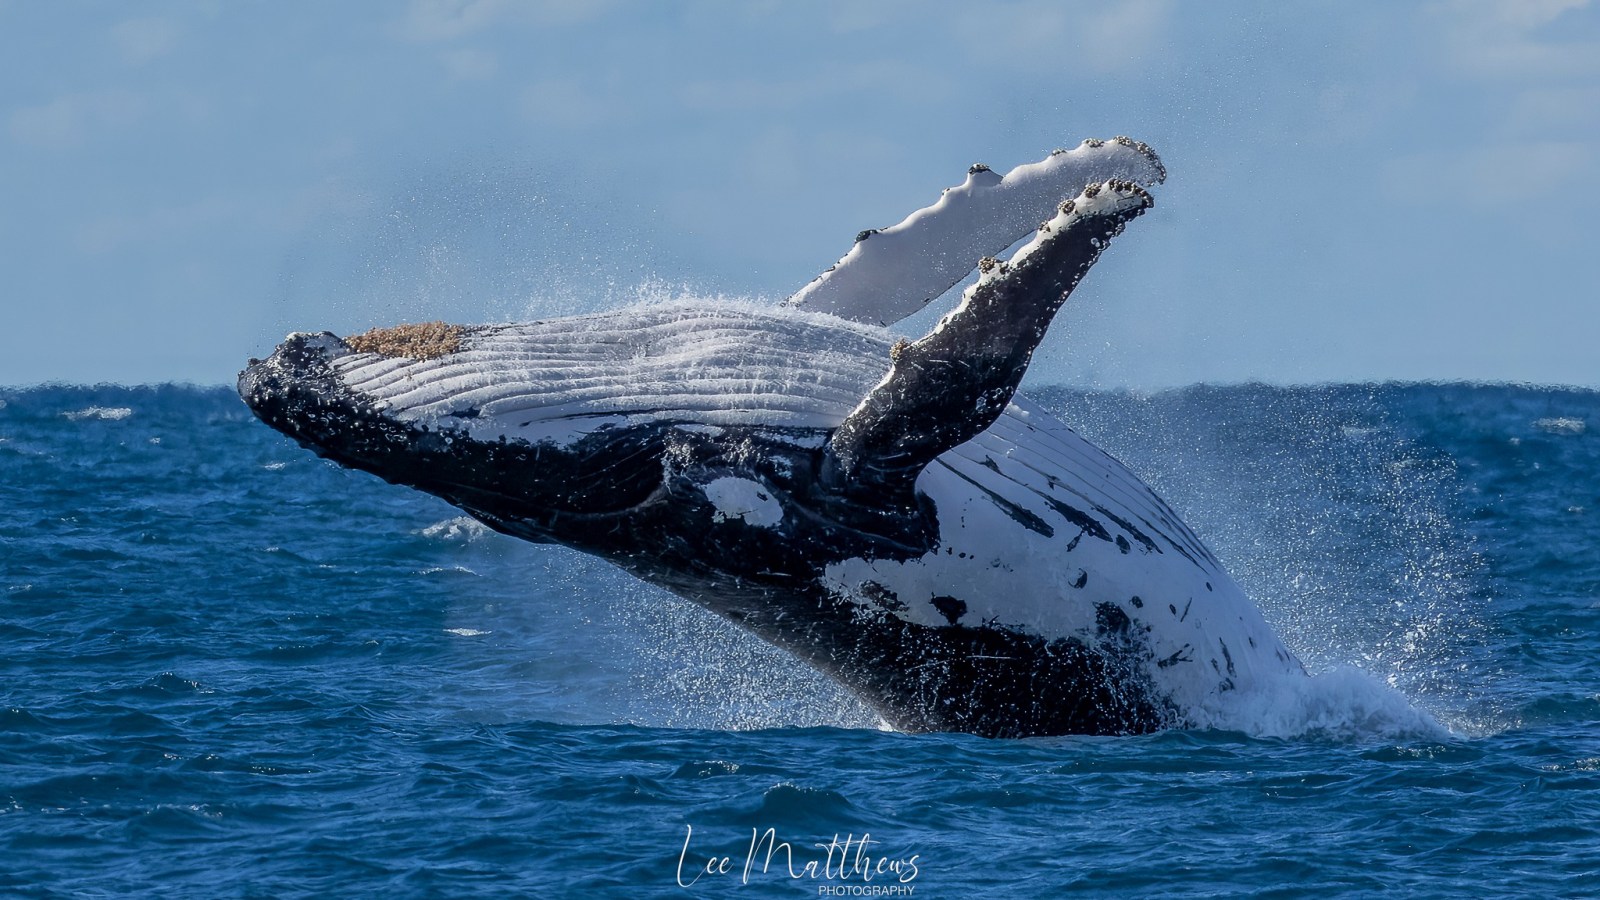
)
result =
(228, 668)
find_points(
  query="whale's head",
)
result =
(643, 426)
(566, 429)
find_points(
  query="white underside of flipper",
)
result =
(892, 273)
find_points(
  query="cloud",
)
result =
(280, 211)
(1533, 67)
(1356, 111)
(142, 40)
(72, 119)
(1506, 176)
(1565, 111)
(1049, 34)
(110, 232)
(446, 20)
(443, 20)
(563, 103)
(467, 64)
(1520, 38)
(846, 16)
(884, 79)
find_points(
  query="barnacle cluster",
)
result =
(428, 340)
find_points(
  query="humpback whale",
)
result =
(888, 510)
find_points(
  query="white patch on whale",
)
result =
(744, 500)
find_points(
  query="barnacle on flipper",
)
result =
(1146, 151)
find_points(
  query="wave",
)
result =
(105, 413)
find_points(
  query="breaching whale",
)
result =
(889, 511)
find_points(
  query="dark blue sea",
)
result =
(230, 669)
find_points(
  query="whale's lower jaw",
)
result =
(296, 392)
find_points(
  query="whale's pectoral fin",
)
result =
(893, 272)
(947, 387)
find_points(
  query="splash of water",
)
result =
(1336, 520)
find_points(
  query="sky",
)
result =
(1358, 190)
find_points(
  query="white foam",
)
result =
(1342, 704)
(460, 528)
(106, 413)
(1561, 425)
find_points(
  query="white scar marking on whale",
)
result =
(743, 499)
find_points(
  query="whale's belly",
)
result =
(1043, 533)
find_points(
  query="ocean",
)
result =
(230, 669)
